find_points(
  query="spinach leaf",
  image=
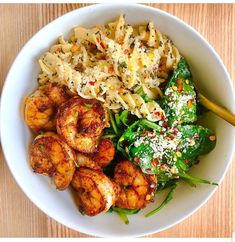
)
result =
(195, 140)
(179, 100)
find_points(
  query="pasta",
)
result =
(112, 63)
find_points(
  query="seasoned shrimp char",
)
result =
(95, 192)
(39, 112)
(50, 156)
(136, 188)
(41, 106)
(80, 122)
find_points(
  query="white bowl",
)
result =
(210, 76)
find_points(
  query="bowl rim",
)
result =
(97, 8)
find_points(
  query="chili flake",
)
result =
(171, 137)
(92, 83)
(174, 131)
(190, 103)
(154, 162)
(180, 88)
(165, 124)
(111, 69)
(102, 44)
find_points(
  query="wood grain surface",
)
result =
(19, 217)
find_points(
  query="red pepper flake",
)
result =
(126, 51)
(102, 44)
(154, 162)
(157, 113)
(174, 131)
(92, 83)
(189, 103)
(111, 69)
(163, 116)
(180, 88)
(186, 161)
(160, 114)
(171, 137)
(141, 45)
(165, 124)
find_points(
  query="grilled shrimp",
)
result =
(39, 110)
(80, 122)
(95, 192)
(101, 158)
(50, 156)
(41, 107)
(105, 152)
(56, 93)
(86, 161)
(136, 188)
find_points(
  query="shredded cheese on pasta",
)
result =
(112, 63)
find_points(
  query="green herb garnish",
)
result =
(88, 105)
(123, 65)
(165, 201)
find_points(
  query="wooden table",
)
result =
(19, 216)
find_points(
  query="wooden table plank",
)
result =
(18, 216)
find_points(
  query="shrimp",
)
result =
(86, 161)
(39, 110)
(105, 152)
(80, 122)
(136, 188)
(101, 158)
(95, 192)
(41, 107)
(56, 93)
(50, 156)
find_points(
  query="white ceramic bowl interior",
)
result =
(210, 76)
